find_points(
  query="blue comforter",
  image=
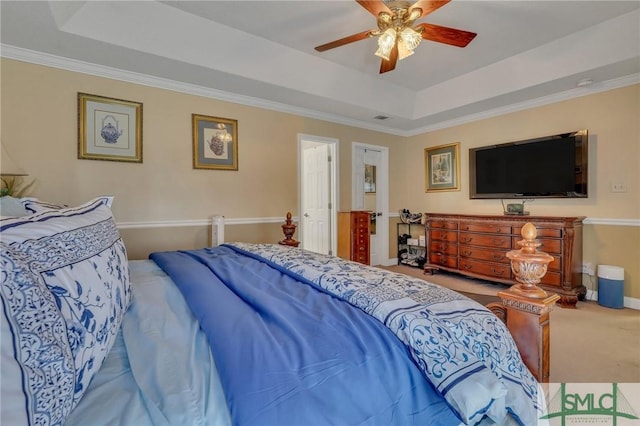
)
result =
(300, 338)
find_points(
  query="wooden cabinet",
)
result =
(476, 246)
(353, 236)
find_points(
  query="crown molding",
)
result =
(534, 103)
(45, 59)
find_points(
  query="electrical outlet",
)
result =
(618, 187)
(587, 268)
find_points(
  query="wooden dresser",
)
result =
(353, 236)
(476, 246)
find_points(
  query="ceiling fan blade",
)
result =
(428, 6)
(374, 6)
(446, 35)
(343, 41)
(390, 65)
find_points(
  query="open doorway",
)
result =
(317, 193)
(370, 191)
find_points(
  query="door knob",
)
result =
(306, 215)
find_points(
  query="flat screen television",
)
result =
(552, 166)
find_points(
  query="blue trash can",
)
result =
(611, 286)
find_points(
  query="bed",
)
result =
(243, 334)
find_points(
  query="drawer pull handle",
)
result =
(467, 252)
(497, 257)
(498, 242)
(467, 267)
(495, 272)
(467, 239)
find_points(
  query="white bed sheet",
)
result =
(160, 370)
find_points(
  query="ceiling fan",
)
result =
(397, 35)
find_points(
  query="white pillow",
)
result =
(11, 207)
(34, 205)
(65, 288)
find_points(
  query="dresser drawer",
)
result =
(551, 278)
(449, 236)
(478, 253)
(484, 240)
(493, 270)
(361, 220)
(443, 260)
(488, 228)
(442, 224)
(547, 246)
(440, 247)
(555, 264)
(542, 232)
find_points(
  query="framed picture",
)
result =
(442, 168)
(109, 129)
(369, 178)
(215, 143)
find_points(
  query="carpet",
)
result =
(483, 299)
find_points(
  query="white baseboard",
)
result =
(628, 302)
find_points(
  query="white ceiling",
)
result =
(262, 53)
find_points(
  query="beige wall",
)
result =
(39, 128)
(613, 121)
(39, 117)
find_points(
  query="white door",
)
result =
(317, 194)
(370, 183)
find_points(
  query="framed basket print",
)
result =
(442, 168)
(109, 129)
(215, 143)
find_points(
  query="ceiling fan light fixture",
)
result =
(403, 51)
(386, 41)
(410, 37)
(414, 14)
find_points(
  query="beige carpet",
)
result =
(590, 344)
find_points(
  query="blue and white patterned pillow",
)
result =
(65, 288)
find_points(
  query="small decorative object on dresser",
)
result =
(477, 246)
(353, 236)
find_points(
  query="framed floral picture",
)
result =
(442, 168)
(215, 143)
(109, 129)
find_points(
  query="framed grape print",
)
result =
(215, 143)
(109, 129)
(442, 168)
